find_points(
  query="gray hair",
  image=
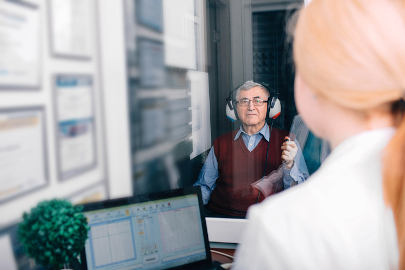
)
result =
(247, 86)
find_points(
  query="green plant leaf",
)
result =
(53, 232)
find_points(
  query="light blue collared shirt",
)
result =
(251, 141)
(209, 172)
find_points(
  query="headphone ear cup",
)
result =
(230, 110)
(274, 110)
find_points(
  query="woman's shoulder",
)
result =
(293, 200)
(327, 192)
(314, 216)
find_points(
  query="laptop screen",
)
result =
(155, 234)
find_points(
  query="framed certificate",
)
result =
(19, 45)
(23, 159)
(75, 124)
(71, 33)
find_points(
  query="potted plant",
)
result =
(53, 233)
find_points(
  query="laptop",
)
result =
(155, 231)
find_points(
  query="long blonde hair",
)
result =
(353, 53)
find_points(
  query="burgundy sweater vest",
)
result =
(238, 169)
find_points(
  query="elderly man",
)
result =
(240, 158)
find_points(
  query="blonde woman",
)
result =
(349, 89)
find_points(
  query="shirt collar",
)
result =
(264, 132)
(364, 142)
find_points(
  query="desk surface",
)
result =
(221, 258)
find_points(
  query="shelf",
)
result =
(163, 92)
(148, 154)
(142, 31)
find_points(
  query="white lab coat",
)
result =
(335, 220)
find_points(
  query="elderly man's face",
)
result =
(252, 115)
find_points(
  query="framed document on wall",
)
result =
(19, 45)
(71, 32)
(76, 138)
(23, 159)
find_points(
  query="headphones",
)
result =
(273, 106)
